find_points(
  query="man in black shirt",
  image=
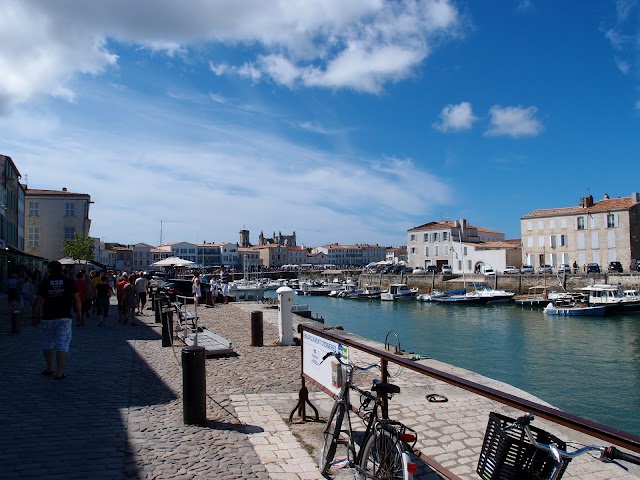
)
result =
(57, 295)
(224, 281)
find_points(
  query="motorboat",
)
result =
(429, 296)
(246, 290)
(398, 291)
(370, 292)
(612, 297)
(462, 297)
(570, 307)
(495, 296)
(351, 291)
(314, 288)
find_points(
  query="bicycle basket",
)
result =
(510, 455)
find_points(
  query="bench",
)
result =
(187, 329)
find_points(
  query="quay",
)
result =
(119, 413)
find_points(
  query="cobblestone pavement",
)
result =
(119, 413)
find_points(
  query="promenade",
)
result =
(118, 414)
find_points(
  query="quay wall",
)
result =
(513, 283)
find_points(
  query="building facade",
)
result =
(357, 255)
(593, 232)
(453, 243)
(52, 216)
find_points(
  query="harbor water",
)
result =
(587, 366)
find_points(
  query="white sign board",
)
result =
(329, 374)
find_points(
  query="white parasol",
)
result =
(172, 262)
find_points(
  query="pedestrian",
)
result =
(57, 295)
(130, 300)
(27, 295)
(120, 295)
(196, 288)
(83, 286)
(224, 281)
(213, 290)
(103, 294)
(575, 267)
(584, 267)
(142, 286)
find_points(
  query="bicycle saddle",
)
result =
(384, 387)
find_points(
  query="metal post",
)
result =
(158, 308)
(167, 327)
(194, 385)
(256, 329)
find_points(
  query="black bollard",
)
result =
(15, 322)
(194, 385)
(152, 296)
(256, 329)
(158, 309)
(167, 327)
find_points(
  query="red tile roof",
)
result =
(605, 205)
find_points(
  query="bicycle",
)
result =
(386, 444)
(512, 449)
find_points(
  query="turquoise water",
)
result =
(588, 366)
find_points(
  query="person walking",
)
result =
(130, 300)
(142, 286)
(213, 290)
(103, 294)
(224, 281)
(57, 295)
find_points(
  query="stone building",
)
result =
(591, 232)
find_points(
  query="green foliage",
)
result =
(79, 248)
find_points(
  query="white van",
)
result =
(487, 270)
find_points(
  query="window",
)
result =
(594, 240)
(69, 209)
(464, 251)
(445, 236)
(33, 209)
(413, 237)
(426, 251)
(563, 241)
(563, 223)
(436, 237)
(435, 253)
(611, 220)
(552, 241)
(552, 224)
(541, 242)
(69, 233)
(530, 242)
(529, 225)
(426, 237)
(445, 250)
(580, 223)
(540, 224)
(413, 249)
(34, 236)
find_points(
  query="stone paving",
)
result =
(119, 413)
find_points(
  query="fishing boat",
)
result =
(370, 292)
(495, 296)
(572, 308)
(399, 291)
(613, 298)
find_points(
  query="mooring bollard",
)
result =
(167, 327)
(194, 385)
(15, 322)
(257, 331)
(158, 304)
(285, 319)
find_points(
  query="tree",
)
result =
(79, 248)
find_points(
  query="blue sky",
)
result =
(348, 122)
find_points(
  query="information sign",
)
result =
(329, 374)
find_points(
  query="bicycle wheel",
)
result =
(382, 456)
(330, 437)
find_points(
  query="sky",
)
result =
(346, 122)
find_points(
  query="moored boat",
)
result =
(571, 308)
(398, 291)
(495, 296)
(612, 298)
(462, 297)
(370, 292)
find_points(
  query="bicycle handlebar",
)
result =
(606, 453)
(338, 357)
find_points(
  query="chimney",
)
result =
(64, 189)
(635, 197)
(586, 202)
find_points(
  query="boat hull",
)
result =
(575, 311)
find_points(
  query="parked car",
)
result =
(615, 267)
(593, 268)
(419, 270)
(447, 270)
(511, 270)
(487, 270)
(431, 269)
(545, 269)
(564, 268)
(527, 269)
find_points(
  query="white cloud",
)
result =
(514, 121)
(455, 118)
(359, 44)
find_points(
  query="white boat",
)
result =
(429, 296)
(613, 298)
(246, 290)
(538, 296)
(495, 296)
(398, 291)
(350, 290)
(370, 292)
